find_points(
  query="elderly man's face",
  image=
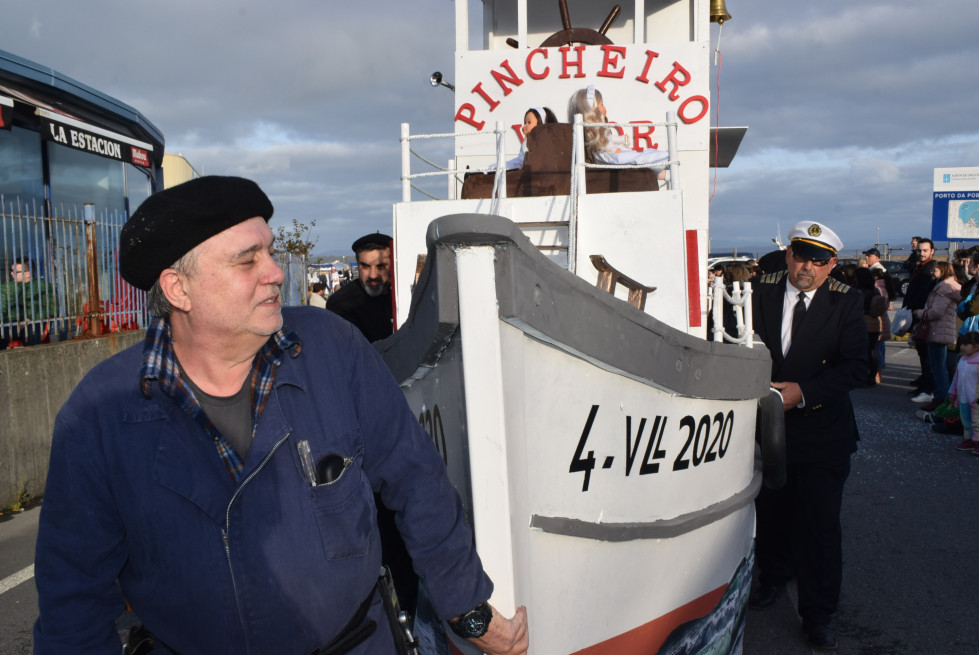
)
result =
(375, 271)
(20, 272)
(872, 259)
(235, 289)
(806, 275)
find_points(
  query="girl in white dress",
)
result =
(602, 144)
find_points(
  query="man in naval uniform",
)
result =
(814, 329)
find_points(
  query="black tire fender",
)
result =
(770, 435)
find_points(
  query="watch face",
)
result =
(473, 624)
(476, 625)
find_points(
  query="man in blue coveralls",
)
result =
(220, 476)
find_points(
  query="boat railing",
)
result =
(499, 169)
(579, 164)
(740, 299)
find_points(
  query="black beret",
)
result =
(172, 222)
(772, 262)
(375, 241)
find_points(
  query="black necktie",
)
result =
(798, 313)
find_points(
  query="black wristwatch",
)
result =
(474, 623)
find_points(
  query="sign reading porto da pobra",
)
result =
(955, 204)
(638, 84)
(89, 138)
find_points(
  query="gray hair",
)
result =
(156, 300)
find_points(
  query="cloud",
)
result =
(850, 105)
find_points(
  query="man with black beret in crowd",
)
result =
(367, 303)
(219, 475)
(814, 329)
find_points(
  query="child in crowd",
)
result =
(602, 145)
(962, 391)
(535, 116)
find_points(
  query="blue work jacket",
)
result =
(139, 505)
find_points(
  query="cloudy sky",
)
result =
(850, 105)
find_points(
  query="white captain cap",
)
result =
(814, 240)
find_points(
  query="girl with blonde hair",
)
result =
(602, 145)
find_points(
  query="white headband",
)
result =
(591, 96)
(540, 114)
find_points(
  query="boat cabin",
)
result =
(650, 61)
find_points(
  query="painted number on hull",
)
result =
(699, 434)
(707, 440)
(431, 420)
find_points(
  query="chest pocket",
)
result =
(344, 510)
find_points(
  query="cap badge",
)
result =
(814, 230)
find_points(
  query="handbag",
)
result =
(920, 333)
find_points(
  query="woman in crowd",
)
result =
(939, 315)
(885, 287)
(874, 306)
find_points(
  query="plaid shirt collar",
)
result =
(160, 364)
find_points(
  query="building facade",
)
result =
(74, 163)
(63, 143)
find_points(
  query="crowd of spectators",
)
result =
(942, 298)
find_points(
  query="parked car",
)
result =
(723, 260)
(897, 271)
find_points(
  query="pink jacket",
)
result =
(940, 311)
(963, 385)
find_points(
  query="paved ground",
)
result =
(910, 529)
(18, 598)
(910, 524)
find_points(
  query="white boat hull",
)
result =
(606, 460)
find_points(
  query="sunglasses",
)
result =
(799, 259)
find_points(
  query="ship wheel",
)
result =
(571, 35)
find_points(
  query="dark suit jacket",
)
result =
(828, 358)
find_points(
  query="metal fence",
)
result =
(60, 275)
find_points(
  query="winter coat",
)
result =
(874, 306)
(939, 311)
(885, 319)
(26, 301)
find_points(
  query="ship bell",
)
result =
(718, 12)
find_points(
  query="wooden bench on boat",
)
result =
(546, 171)
(609, 277)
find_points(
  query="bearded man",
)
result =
(367, 304)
